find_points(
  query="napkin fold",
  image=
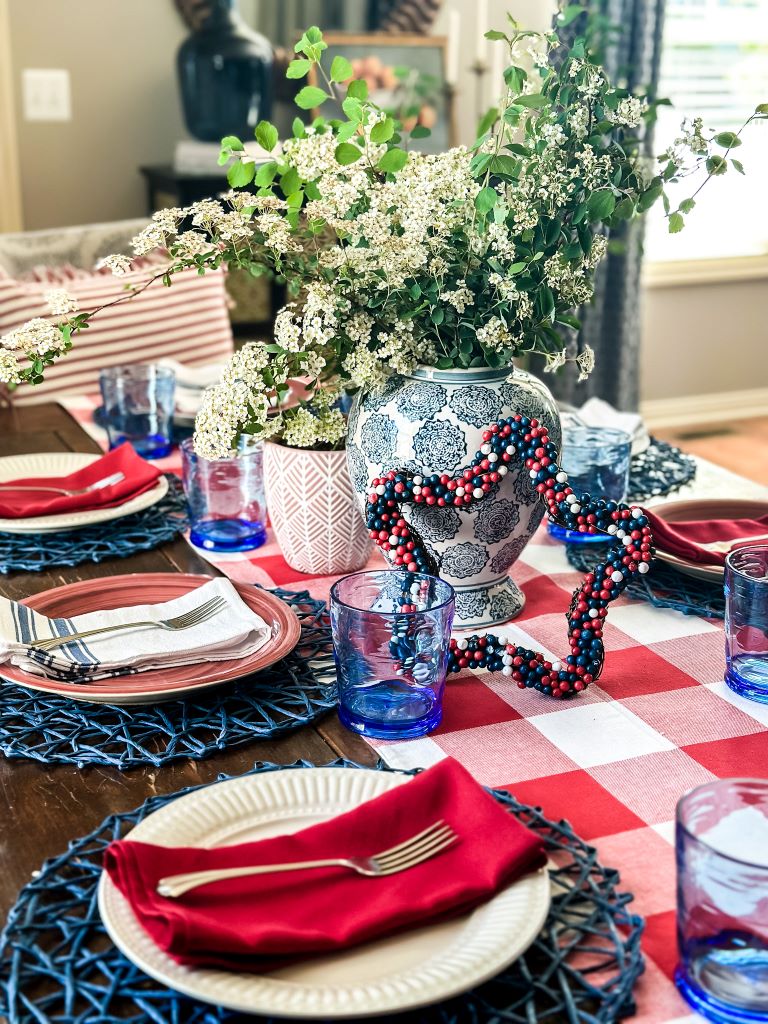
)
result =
(139, 476)
(265, 921)
(688, 539)
(235, 632)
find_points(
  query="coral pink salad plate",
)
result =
(163, 684)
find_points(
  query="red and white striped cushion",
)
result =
(187, 322)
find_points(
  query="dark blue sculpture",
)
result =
(225, 75)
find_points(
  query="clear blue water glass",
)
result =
(225, 497)
(746, 621)
(138, 407)
(596, 460)
(722, 900)
(390, 664)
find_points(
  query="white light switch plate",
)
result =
(46, 94)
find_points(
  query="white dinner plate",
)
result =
(53, 464)
(394, 974)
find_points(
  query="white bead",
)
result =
(485, 449)
(478, 492)
(593, 613)
(643, 567)
(506, 659)
(502, 639)
(380, 489)
(502, 470)
(507, 670)
(462, 644)
(416, 490)
(617, 576)
(627, 541)
(576, 509)
(533, 474)
(493, 457)
(613, 528)
(418, 480)
(510, 449)
(635, 512)
(572, 499)
(415, 588)
(620, 533)
(556, 666)
(459, 492)
(561, 477)
(394, 542)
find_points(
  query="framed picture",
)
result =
(406, 76)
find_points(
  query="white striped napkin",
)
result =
(235, 632)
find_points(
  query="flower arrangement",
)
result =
(397, 258)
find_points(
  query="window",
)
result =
(715, 64)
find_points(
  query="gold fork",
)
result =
(405, 855)
(194, 617)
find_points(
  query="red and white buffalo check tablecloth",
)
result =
(613, 761)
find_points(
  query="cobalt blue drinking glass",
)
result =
(746, 621)
(227, 507)
(138, 407)
(596, 460)
(391, 664)
(722, 900)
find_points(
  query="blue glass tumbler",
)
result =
(227, 506)
(722, 900)
(596, 460)
(746, 621)
(390, 664)
(138, 407)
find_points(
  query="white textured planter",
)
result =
(432, 421)
(313, 510)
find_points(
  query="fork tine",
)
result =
(412, 839)
(209, 607)
(421, 857)
(424, 844)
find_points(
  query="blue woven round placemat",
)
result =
(659, 470)
(58, 966)
(297, 690)
(663, 587)
(118, 538)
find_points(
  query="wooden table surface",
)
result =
(43, 807)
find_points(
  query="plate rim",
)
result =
(157, 696)
(186, 982)
(63, 521)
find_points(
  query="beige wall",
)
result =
(125, 109)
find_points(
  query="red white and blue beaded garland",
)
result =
(518, 439)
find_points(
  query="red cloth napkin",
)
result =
(140, 476)
(263, 922)
(686, 539)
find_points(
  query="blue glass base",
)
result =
(574, 537)
(713, 1009)
(228, 534)
(154, 446)
(391, 710)
(750, 678)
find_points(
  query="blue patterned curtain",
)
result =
(611, 322)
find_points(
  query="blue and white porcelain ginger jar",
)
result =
(432, 421)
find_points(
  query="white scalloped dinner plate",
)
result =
(16, 467)
(394, 974)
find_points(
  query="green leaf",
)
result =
(289, 182)
(568, 320)
(240, 173)
(579, 213)
(570, 14)
(383, 131)
(310, 96)
(266, 135)
(232, 142)
(444, 363)
(295, 199)
(358, 89)
(298, 68)
(347, 131)
(393, 161)
(536, 100)
(494, 34)
(265, 175)
(346, 153)
(676, 223)
(485, 199)
(738, 166)
(437, 316)
(504, 165)
(341, 69)
(624, 209)
(516, 268)
(600, 205)
(419, 131)
(717, 164)
(298, 127)
(687, 205)
(729, 140)
(649, 197)
(353, 109)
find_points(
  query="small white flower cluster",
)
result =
(585, 362)
(10, 370)
(460, 298)
(60, 302)
(119, 265)
(37, 337)
(629, 113)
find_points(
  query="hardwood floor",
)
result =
(742, 448)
